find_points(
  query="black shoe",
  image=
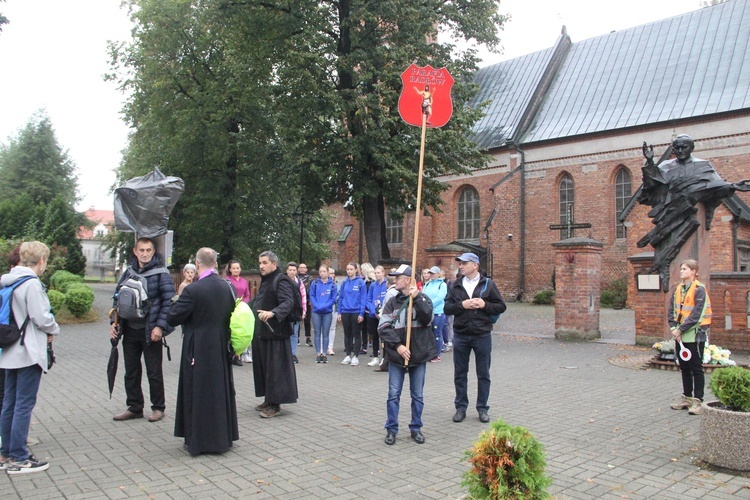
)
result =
(484, 417)
(417, 437)
(294, 358)
(319, 358)
(390, 438)
(308, 342)
(236, 361)
(459, 416)
(323, 359)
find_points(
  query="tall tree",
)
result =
(35, 164)
(256, 103)
(39, 192)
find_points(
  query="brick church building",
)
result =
(564, 133)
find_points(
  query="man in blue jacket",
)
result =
(472, 299)
(144, 338)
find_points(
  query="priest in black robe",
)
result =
(206, 414)
(273, 363)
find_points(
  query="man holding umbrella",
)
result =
(143, 337)
(406, 353)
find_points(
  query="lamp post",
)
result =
(299, 216)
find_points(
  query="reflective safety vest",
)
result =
(683, 306)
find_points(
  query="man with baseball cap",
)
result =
(473, 300)
(420, 350)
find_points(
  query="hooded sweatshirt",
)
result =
(323, 295)
(352, 296)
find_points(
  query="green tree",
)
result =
(39, 190)
(259, 103)
(3, 20)
(34, 164)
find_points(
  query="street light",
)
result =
(299, 217)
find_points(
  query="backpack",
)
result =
(241, 324)
(493, 317)
(295, 315)
(9, 331)
(132, 299)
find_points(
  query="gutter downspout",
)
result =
(522, 269)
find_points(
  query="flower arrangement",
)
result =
(715, 355)
(712, 354)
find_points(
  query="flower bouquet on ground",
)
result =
(715, 355)
(666, 349)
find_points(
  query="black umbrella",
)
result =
(114, 355)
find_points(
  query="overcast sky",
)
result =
(53, 55)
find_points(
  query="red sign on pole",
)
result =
(426, 91)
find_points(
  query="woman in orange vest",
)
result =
(689, 317)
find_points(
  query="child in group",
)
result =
(323, 293)
(351, 309)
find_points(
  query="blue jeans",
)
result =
(321, 327)
(462, 347)
(21, 388)
(396, 375)
(438, 322)
(295, 337)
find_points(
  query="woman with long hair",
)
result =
(689, 316)
(322, 298)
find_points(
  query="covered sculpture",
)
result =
(143, 204)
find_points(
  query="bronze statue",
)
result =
(673, 188)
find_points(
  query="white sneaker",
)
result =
(374, 362)
(246, 358)
(355, 361)
(347, 360)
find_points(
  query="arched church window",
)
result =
(468, 214)
(565, 191)
(623, 192)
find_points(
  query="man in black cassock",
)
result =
(206, 414)
(273, 364)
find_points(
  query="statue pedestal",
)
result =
(651, 305)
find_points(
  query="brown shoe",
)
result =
(262, 406)
(156, 416)
(127, 415)
(271, 411)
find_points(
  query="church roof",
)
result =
(690, 65)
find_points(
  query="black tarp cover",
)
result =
(143, 204)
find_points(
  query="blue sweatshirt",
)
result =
(436, 290)
(323, 295)
(376, 293)
(352, 296)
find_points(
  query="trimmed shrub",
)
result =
(615, 294)
(62, 279)
(506, 462)
(79, 299)
(545, 298)
(56, 300)
(732, 386)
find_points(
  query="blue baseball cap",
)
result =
(468, 257)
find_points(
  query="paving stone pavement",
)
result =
(608, 431)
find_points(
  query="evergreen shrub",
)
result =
(545, 297)
(56, 300)
(732, 386)
(62, 279)
(79, 299)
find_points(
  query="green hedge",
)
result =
(79, 299)
(545, 297)
(56, 300)
(62, 279)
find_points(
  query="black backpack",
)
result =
(295, 315)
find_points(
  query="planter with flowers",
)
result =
(725, 424)
(713, 357)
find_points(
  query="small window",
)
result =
(345, 233)
(393, 229)
(468, 214)
(623, 191)
(565, 192)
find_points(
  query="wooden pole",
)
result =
(413, 280)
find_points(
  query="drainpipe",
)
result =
(522, 269)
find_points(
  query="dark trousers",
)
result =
(462, 347)
(352, 330)
(307, 319)
(693, 378)
(372, 328)
(365, 331)
(133, 347)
